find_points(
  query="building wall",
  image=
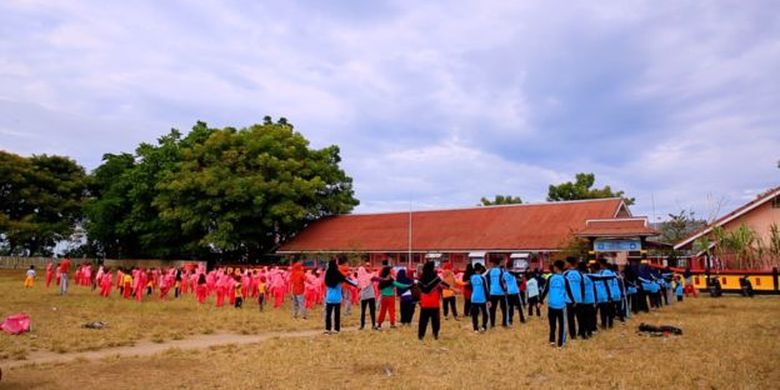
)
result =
(758, 219)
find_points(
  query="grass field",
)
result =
(728, 343)
(57, 320)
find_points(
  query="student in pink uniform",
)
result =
(201, 289)
(310, 290)
(105, 283)
(140, 283)
(221, 288)
(98, 278)
(278, 288)
(87, 275)
(49, 273)
(246, 283)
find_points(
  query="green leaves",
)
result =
(501, 199)
(581, 188)
(679, 226)
(41, 199)
(219, 193)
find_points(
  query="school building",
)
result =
(531, 235)
(760, 215)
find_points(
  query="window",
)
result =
(776, 202)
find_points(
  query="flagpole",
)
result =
(409, 259)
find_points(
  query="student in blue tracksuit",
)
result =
(603, 298)
(513, 300)
(588, 307)
(497, 289)
(479, 296)
(613, 287)
(678, 289)
(557, 289)
(621, 307)
(573, 305)
(648, 279)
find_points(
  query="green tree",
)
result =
(501, 199)
(123, 221)
(41, 199)
(582, 188)
(680, 226)
(239, 193)
(107, 213)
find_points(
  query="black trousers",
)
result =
(407, 311)
(582, 320)
(588, 318)
(555, 318)
(369, 304)
(239, 302)
(476, 309)
(432, 316)
(642, 301)
(605, 312)
(466, 306)
(533, 302)
(619, 310)
(335, 310)
(679, 298)
(572, 320)
(665, 296)
(450, 303)
(513, 302)
(496, 300)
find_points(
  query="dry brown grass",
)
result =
(57, 320)
(728, 343)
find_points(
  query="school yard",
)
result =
(729, 342)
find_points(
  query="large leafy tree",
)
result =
(41, 199)
(241, 192)
(214, 193)
(501, 199)
(582, 188)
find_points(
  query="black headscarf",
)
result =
(332, 275)
(468, 272)
(429, 280)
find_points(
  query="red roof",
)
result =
(543, 226)
(617, 227)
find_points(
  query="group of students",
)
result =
(577, 294)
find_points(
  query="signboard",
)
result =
(617, 245)
(520, 265)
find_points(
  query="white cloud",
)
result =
(445, 175)
(443, 102)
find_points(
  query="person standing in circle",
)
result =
(430, 300)
(334, 280)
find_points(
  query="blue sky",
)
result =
(439, 103)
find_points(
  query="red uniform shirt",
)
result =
(431, 300)
(65, 266)
(298, 280)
